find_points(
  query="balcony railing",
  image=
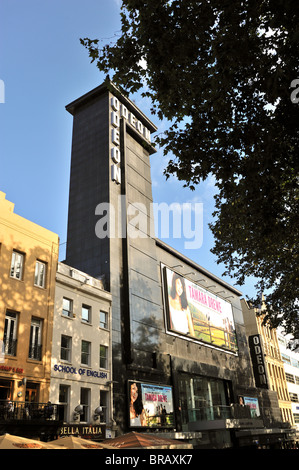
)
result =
(208, 413)
(10, 346)
(15, 410)
(35, 352)
(219, 412)
(233, 412)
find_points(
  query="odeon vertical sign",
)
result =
(117, 112)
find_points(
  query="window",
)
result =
(40, 274)
(203, 398)
(35, 347)
(84, 401)
(290, 378)
(10, 334)
(286, 359)
(103, 357)
(295, 363)
(104, 320)
(86, 314)
(17, 263)
(64, 392)
(67, 307)
(66, 348)
(85, 353)
(104, 405)
(293, 397)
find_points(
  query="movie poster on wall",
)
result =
(150, 405)
(195, 312)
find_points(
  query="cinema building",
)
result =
(181, 361)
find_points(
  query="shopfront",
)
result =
(6, 389)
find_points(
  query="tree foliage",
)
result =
(223, 74)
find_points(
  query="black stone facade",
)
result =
(131, 269)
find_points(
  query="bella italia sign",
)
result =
(83, 431)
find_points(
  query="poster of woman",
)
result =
(137, 412)
(151, 405)
(198, 313)
(179, 312)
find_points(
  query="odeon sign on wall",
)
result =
(118, 112)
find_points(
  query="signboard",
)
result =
(258, 363)
(86, 431)
(118, 112)
(253, 404)
(150, 405)
(198, 314)
(14, 370)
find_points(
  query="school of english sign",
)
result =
(80, 371)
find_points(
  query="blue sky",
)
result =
(44, 67)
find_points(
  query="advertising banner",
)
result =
(150, 405)
(253, 405)
(195, 312)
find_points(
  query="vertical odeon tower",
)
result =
(110, 172)
(198, 368)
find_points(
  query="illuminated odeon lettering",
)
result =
(258, 361)
(118, 112)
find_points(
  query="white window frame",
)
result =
(69, 311)
(88, 309)
(86, 354)
(65, 404)
(35, 336)
(85, 393)
(104, 404)
(105, 358)
(104, 325)
(17, 265)
(40, 274)
(10, 331)
(67, 348)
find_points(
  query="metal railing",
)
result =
(10, 346)
(233, 411)
(35, 352)
(15, 410)
(217, 412)
(207, 413)
(10, 349)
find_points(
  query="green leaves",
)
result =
(213, 69)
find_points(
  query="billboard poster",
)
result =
(198, 314)
(150, 405)
(253, 404)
